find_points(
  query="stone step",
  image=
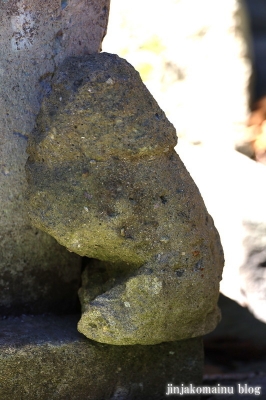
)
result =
(44, 358)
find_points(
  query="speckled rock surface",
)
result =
(46, 358)
(36, 274)
(105, 181)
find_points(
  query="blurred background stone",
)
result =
(194, 56)
(233, 189)
(257, 131)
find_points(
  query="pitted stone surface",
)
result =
(44, 357)
(105, 181)
(36, 274)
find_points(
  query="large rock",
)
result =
(36, 273)
(44, 357)
(105, 181)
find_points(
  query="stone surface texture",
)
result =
(194, 57)
(105, 181)
(235, 195)
(46, 358)
(36, 274)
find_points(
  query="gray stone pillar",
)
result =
(36, 274)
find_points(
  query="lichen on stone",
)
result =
(105, 181)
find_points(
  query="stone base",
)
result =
(44, 357)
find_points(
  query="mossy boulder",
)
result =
(105, 181)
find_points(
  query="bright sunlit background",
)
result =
(192, 57)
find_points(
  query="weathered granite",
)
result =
(44, 357)
(36, 274)
(105, 181)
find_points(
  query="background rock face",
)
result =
(104, 180)
(235, 195)
(194, 57)
(36, 274)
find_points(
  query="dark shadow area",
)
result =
(257, 14)
(235, 352)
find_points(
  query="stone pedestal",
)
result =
(46, 358)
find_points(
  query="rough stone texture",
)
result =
(46, 358)
(194, 58)
(235, 195)
(105, 181)
(35, 37)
